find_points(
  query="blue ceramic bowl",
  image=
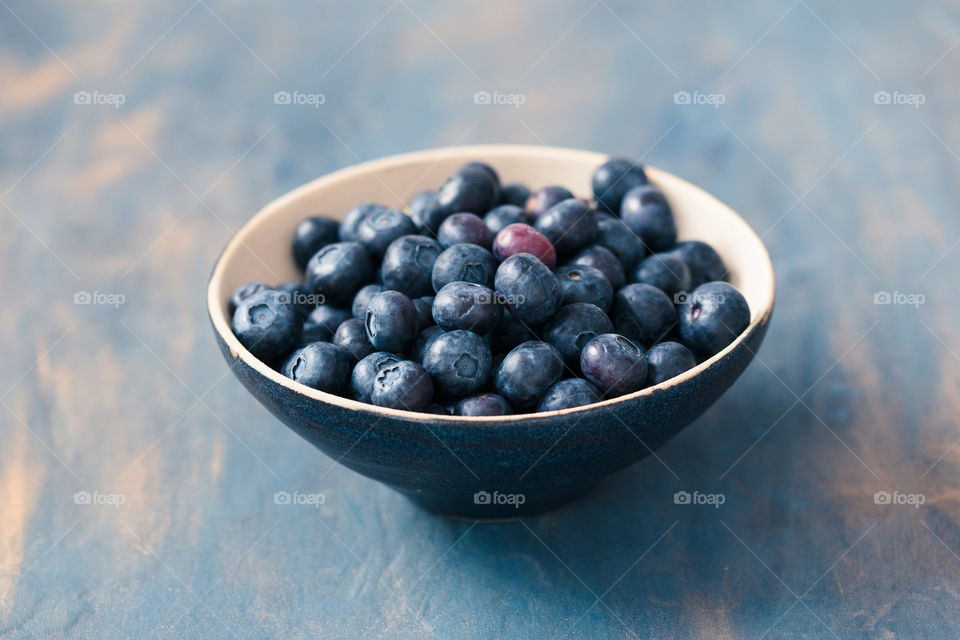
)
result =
(495, 467)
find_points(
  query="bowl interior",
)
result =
(261, 251)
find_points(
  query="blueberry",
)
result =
(267, 326)
(311, 235)
(711, 317)
(392, 322)
(423, 341)
(522, 238)
(573, 327)
(544, 198)
(527, 372)
(665, 271)
(482, 167)
(322, 322)
(424, 307)
(320, 365)
(363, 298)
(361, 381)
(603, 259)
(667, 360)
(423, 209)
(515, 194)
(459, 363)
(613, 179)
(511, 333)
(569, 393)
(499, 217)
(352, 336)
(484, 404)
(614, 364)
(377, 230)
(528, 288)
(408, 265)
(582, 283)
(704, 262)
(570, 225)
(464, 227)
(646, 211)
(469, 191)
(465, 263)
(404, 385)
(355, 217)
(643, 313)
(613, 234)
(244, 291)
(338, 271)
(465, 305)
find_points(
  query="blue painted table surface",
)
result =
(137, 477)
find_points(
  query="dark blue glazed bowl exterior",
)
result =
(460, 468)
(497, 467)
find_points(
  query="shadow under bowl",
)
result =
(489, 467)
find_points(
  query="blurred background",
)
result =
(137, 477)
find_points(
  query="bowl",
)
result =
(485, 467)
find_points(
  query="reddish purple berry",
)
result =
(522, 238)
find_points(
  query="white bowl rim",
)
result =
(216, 295)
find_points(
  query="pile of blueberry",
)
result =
(488, 299)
